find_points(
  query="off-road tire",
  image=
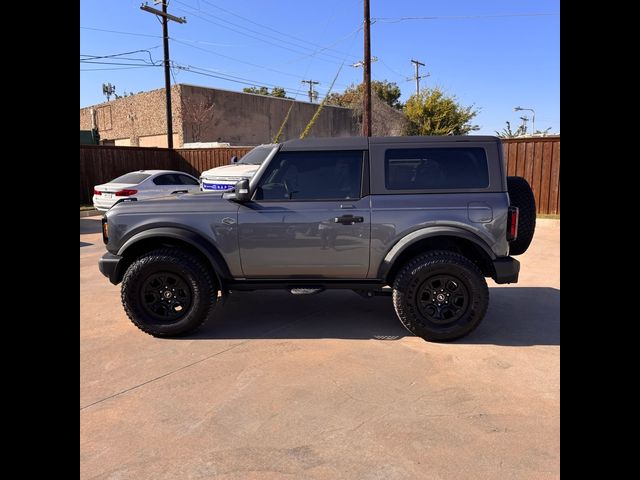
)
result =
(521, 196)
(189, 275)
(424, 273)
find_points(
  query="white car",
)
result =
(226, 177)
(142, 184)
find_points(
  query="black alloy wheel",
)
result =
(442, 299)
(165, 296)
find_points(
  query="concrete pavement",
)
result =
(329, 386)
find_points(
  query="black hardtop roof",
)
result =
(362, 143)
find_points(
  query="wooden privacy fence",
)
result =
(536, 159)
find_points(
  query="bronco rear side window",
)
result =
(436, 168)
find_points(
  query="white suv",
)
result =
(226, 176)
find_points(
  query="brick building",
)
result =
(210, 115)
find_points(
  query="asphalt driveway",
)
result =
(328, 386)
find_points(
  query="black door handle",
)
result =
(348, 220)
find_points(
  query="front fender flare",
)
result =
(194, 239)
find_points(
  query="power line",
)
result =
(217, 74)
(180, 40)
(94, 57)
(117, 63)
(116, 68)
(205, 71)
(270, 28)
(238, 60)
(120, 32)
(241, 32)
(235, 59)
(461, 17)
(231, 78)
(392, 70)
(243, 29)
(312, 55)
(117, 54)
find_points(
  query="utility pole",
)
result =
(312, 94)
(167, 73)
(366, 120)
(418, 77)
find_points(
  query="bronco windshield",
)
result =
(256, 156)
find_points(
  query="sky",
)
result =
(494, 54)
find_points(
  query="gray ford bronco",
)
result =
(424, 219)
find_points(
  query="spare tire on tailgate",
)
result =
(521, 196)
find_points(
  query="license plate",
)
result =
(107, 195)
(217, 186)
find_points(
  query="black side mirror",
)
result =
(234, 159)
(242, 191)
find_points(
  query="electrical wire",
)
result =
(241, 32)
(270, 28)
(121, 33)
(404, 77)
(304, 56)
(262, 67)
(243, 29)
(121, 55)
(117, 63)
(227, 77)
(94, 57)
(460, 17)
(116, 68)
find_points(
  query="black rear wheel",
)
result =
(168, 292)
(440, 296)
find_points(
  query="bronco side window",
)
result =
(436, 168)
(331, 175)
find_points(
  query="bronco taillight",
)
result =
(512, 223)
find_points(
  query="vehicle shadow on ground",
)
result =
(90, 225)
(516, 317)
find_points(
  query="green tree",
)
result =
(275, 91)
(542, 133)
(508, 133)
(388, 92)
(431, 112)
(256, 90)
(278, 92)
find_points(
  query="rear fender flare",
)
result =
(431, 232)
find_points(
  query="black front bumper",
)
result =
(110, 266)
(507, 270)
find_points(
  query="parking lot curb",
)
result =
(89, 213)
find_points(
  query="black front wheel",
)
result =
(440, 296)
(168, 292)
